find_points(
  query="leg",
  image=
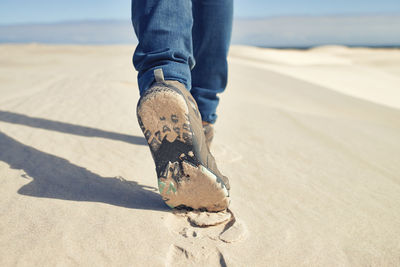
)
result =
(212, 27)
(167, 113)
(163, 28)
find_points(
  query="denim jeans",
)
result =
(189, 41)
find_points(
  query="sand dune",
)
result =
(309, 139)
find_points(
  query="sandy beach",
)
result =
(310, 140)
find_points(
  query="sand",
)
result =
(309, 139)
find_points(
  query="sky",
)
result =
(39, 11)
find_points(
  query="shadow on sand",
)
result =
(55, 177)
(15, 118)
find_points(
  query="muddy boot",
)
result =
(188, 176)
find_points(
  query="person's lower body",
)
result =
(189, 41)
(183, 46)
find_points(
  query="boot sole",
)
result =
(182, 181)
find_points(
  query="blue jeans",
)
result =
(189, 40)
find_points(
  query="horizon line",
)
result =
(376, 14)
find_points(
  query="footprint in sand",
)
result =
(206, 219)
(214, 225)
(235, 231)
(199, 234)
(179, 256)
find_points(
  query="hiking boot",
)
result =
(188, 176)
